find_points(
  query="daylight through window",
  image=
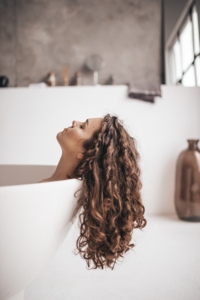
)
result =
(184, 53)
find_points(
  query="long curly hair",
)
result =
(109, 196)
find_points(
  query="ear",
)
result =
(80, 155)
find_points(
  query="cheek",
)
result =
(71, 140)
(73, 136)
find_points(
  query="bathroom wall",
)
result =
(38, 36)
(31, 118)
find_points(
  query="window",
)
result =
(184, 52)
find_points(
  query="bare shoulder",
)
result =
(44, 180)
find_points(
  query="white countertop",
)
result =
(165, 265)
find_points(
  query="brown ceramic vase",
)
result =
(187, 189)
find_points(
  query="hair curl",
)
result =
(109, 196)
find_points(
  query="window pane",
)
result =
(177, 55)
(196, 30)
(189, 77)
(197, 66)
(172, 66)
(186, 45)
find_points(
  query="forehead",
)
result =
(95, 121)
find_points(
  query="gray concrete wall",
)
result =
(7, 40)
(38, 36)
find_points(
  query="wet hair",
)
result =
(110, 195)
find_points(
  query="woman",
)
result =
(104, 156)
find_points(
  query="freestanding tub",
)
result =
(34, 221)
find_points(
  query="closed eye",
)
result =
(83, 126)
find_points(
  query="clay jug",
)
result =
(187, 188)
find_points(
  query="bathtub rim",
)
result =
(26, 185)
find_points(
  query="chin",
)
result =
(58, 136)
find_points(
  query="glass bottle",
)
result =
(187, 189)
(78, 78)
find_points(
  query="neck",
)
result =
(64, 169)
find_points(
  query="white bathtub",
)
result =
(34, 221)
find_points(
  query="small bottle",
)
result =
(65, 77)
(78, 78)
(51, 81)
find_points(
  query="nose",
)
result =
(75, 123)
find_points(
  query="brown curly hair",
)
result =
(109, 196)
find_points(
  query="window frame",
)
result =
(169, 53)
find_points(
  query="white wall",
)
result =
(31, 118)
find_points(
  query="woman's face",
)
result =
(71, 139)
